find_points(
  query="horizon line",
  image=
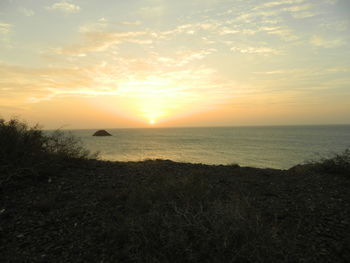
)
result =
(219, 126)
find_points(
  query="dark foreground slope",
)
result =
(162, 211)
(68, 208)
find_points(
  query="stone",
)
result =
(102, 133)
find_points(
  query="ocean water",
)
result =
(274, 147)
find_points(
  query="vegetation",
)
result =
(187, 219)
(26, 150)
(337, 164)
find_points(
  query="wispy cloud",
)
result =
(131, 23)
(5, 28)
(5, 32)
(302, 15)
(27, 12)
(165, 83)
(192, 55)
(298, 8)
(228, 31)
(338, 69)
(284, 33)
(98, 25)
(97, 41)
(150, 11)
(255, 50)
(279, 3)
(64, 7)
(320, 41)
(301, 11)
(337, 25)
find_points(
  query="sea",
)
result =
(265, 147)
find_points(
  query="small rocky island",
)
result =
(102, 133)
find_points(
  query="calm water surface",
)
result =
(275, 147)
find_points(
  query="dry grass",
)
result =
(164, 218)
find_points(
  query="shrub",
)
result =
(339, 163)
(65, 145)
(25, 149)
(18, 142)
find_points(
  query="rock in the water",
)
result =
(102, 133)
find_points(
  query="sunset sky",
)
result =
(158, 63)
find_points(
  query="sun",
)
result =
(152, 121)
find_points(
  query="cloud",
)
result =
(319, 41)
(97, 41)
(150, 11)
(131, 23)
(300, 11)
(64, 7)
(228, 31)
(338, 25)
(11, 108)
(279, 3)
(271, 72)
(182, 58)
(207, 26)
(19, 84)
(154, 85)
(26, 11)
(188, 56)
(284, 33)
(338, 69)
(255, 50)
(281, 31)
(98, 25)
(273, 9)
(302, 15)
(298, 8)
(270, 21)
(5, 30)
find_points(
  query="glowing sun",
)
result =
(152, 122)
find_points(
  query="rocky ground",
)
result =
(163, 211)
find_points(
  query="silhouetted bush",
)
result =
(336, 164)
(20, 143)
(28, 150)
(65, 145)
(339, 163)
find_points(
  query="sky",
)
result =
(164, 63)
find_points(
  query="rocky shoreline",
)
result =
(163, 211)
